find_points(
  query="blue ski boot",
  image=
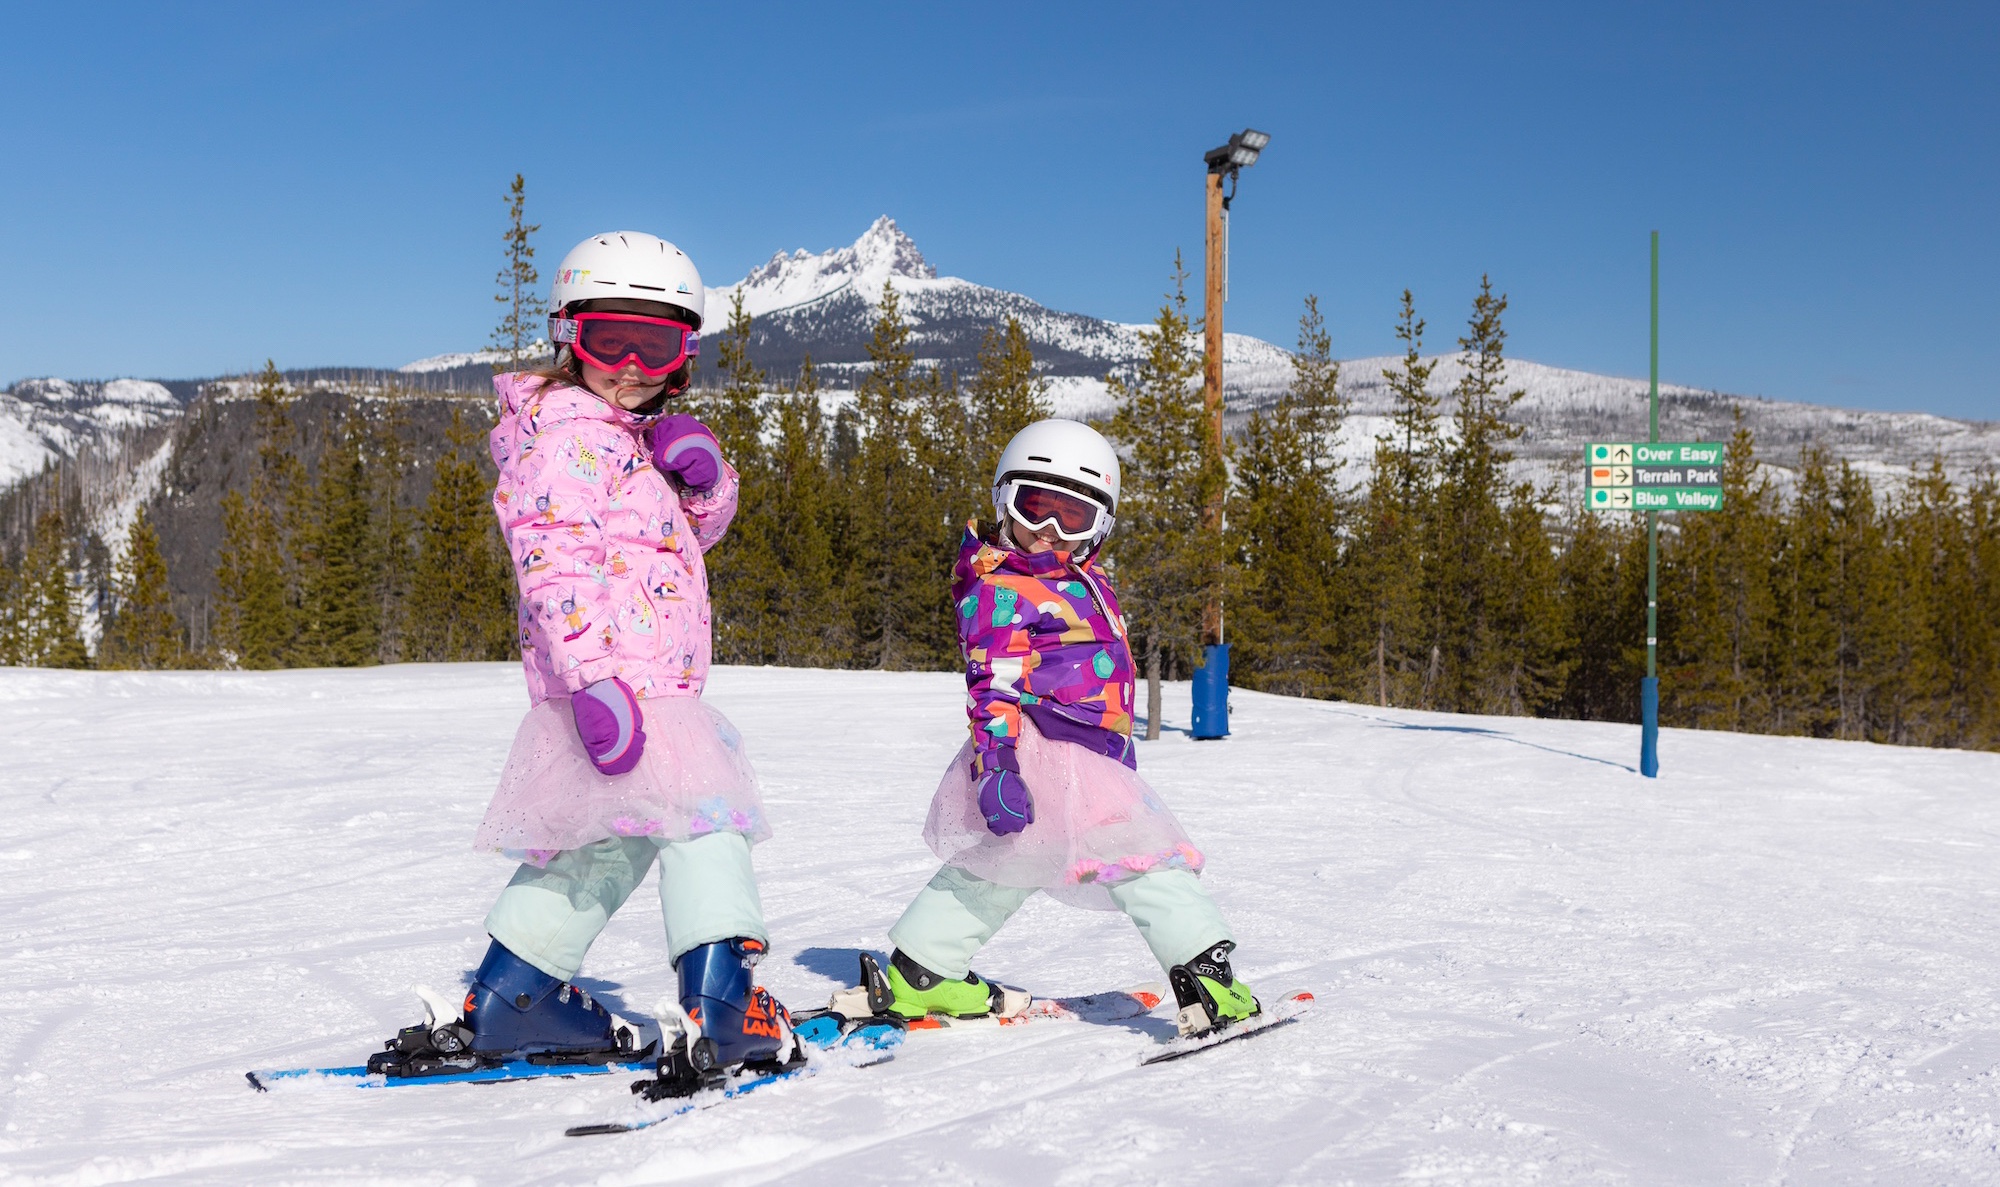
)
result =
(513, 1011)
(739, 1022)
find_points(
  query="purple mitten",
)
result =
(1004, 802)
(683, 447)
(608, 720)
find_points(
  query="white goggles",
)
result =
(1038, 505)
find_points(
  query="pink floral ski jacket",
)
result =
(607, 551)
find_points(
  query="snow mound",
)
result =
(1779, 961)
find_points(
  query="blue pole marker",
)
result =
(1649, 727)
(1211, 693)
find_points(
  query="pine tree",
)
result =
(1160, 555)
(891, 567)
(1863, 613)
(394, 524)
(341, 613)
(1394, 659)
(806, 518)
(46, 632)
(1005, 394)
(951, 485)
(1982, 523)
(1529, 668)
(461, 597)
(516, 334)
(1477, 631)
(255, 574)
(735, 414)
(1601, 580)
(1717, 605)
(744, 573)
(1806, 629)
(1914, 689)
(10, 623)
(147, 634)
(1286, 521)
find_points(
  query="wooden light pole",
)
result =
(1211, 680)
(1211, 383)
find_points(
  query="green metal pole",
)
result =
(1649, 689)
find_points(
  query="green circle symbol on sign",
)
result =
(1600, 453)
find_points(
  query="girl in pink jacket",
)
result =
(607, 505)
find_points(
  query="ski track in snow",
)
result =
(1776, 964)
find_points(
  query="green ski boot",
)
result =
(1208, 993)
(918, 992)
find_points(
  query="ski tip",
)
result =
(1148, 998)
(255, 1082)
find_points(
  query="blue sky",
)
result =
(192, 188)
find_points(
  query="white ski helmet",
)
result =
(628, 266)
(1063, 453)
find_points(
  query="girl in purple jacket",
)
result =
(1045, 794)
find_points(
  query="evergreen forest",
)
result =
(1844, 608)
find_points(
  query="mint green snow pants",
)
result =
(954, 916)
(549, 915)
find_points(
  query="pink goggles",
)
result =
(608, 341)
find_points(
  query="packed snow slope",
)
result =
(1777, 963)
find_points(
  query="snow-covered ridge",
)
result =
(46, 420)
(477, 358)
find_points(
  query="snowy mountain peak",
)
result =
(883, 253)
(885, 248)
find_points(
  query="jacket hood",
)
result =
(978, 557)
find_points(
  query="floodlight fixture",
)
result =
(1241, 152)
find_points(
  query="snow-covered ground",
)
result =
(1778, 963)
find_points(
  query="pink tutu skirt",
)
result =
(1096, 824)
(692, 779)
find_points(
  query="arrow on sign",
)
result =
(1621, 454)
(1621, 477)
(1621, 498)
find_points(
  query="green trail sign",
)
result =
(1654, 476)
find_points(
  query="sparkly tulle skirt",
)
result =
(1096, 824)
(692, 779)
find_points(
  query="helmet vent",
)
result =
(1051, 461)
(1089, 471)
(651, 288)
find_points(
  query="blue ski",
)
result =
(517, 1069)
(826, 1035)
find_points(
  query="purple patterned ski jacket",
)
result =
(1041, 635)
